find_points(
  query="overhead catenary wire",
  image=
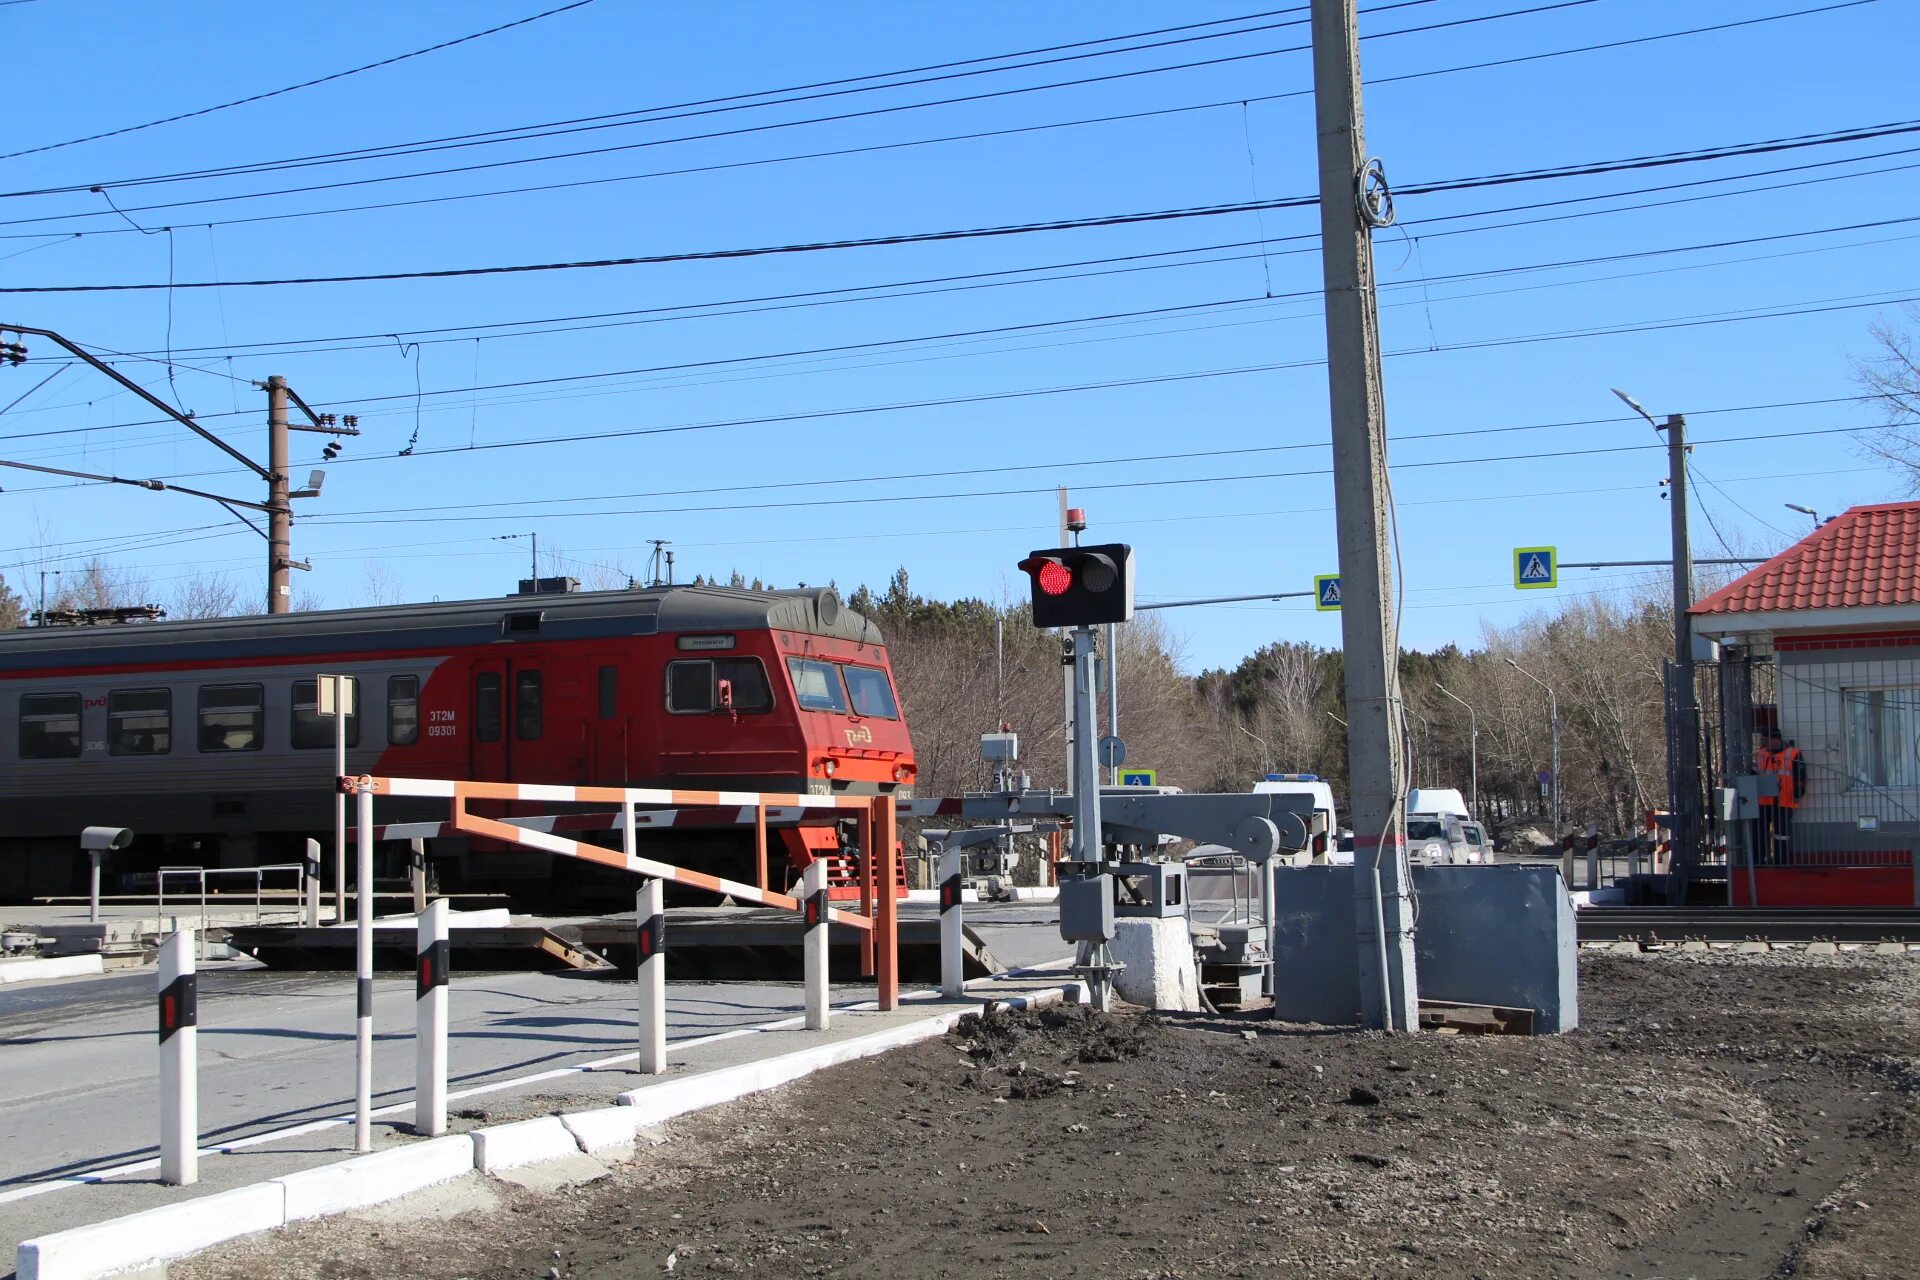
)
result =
(722, 166)
(1588, 169)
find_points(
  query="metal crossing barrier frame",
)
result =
(878, 918)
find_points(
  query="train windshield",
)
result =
(872, 695)
(816, 685)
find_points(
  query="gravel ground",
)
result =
(1715, 1117)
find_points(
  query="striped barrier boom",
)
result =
(652, 818)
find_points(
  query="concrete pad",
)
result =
(83, 966)
(370, 1179)
(551, 1175)
(509, 1146)
(1158, 955)
(152, 1237)
(441, 1200)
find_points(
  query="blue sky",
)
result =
(1250, 506)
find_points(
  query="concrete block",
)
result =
(508, 1146)
(1158, 954)
(551, 1175)
(58, 967)
(152, 1237)
(1890, 948)
(1753, 947)
(370, 1179)
(1822, 948)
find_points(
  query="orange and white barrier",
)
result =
(877, 919)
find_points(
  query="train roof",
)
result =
(574, 615)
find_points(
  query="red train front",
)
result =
(203, 737)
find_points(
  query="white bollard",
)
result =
(650, 926)
(363, 984)
(310, 884)
(813, 890)
(179, 1083)
(430, 1022)
(953, 959)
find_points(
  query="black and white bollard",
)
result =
(953, 960)
(650, 925)
(430, 1022)
(813, 892)
(363, 982)
(179, 1084)
(310, 884)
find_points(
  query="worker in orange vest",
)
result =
(1776, 812)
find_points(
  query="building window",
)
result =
(233, 717)
(1883, 737)
(49, 726)
(310, 728)
(526, 706)
(140, 722)
(486, 707)
(403, 710)
(872, 694)
(817, 685)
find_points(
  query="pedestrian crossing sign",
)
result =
(1326, 592)
(1535, 567)
(1139, 777)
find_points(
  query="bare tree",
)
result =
(379, 586)
(13, 612)
(100, 585)
(205, 595)
(1891, 378)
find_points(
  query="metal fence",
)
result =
(1856, 725)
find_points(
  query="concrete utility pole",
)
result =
(1683, 766)
(1389, 995)
(279, 505)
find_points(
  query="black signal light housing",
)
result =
(1081, 586)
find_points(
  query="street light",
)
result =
(1473, 742)
(1553, 710)
(1805, 511)
(1266, 756)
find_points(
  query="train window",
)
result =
(526, 705)
(310, 728)
(872, 695)
(486, 707)
(693, 685)
(140, 722)
(233, 717)
(609, 692)
(403, 710)
(817, 685)
(49, 726)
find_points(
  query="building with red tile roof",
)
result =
(1860, 569)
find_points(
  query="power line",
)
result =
(166, 206)
(292, 88)
(1659, 160)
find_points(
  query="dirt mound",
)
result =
(1067, 1033)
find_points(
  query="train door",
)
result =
(491, 747)
(610, 725)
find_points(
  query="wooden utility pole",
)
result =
(1383, 913)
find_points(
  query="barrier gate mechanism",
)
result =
(878, 918)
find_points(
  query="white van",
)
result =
(1309, 784)
(1437, 800)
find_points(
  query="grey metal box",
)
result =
(1150, 889)
(1086, 909)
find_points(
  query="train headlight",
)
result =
(901, 773)
(829, 767)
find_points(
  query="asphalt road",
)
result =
(276, 1052)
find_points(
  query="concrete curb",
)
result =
(54, 967)
(152, 1237)
(156, 1236)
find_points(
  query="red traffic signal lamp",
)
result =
(1081, 586)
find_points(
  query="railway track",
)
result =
(1738, 924)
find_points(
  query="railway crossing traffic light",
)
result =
(1081, 586)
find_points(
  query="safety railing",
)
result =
(201, 875)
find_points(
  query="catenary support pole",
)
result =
(432, 951)
(650, 943)
(179, 1083)
(1388, 990)
(279, 502)
(813, 890)
(953, 960)
(363, 981)
(1686, 736)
